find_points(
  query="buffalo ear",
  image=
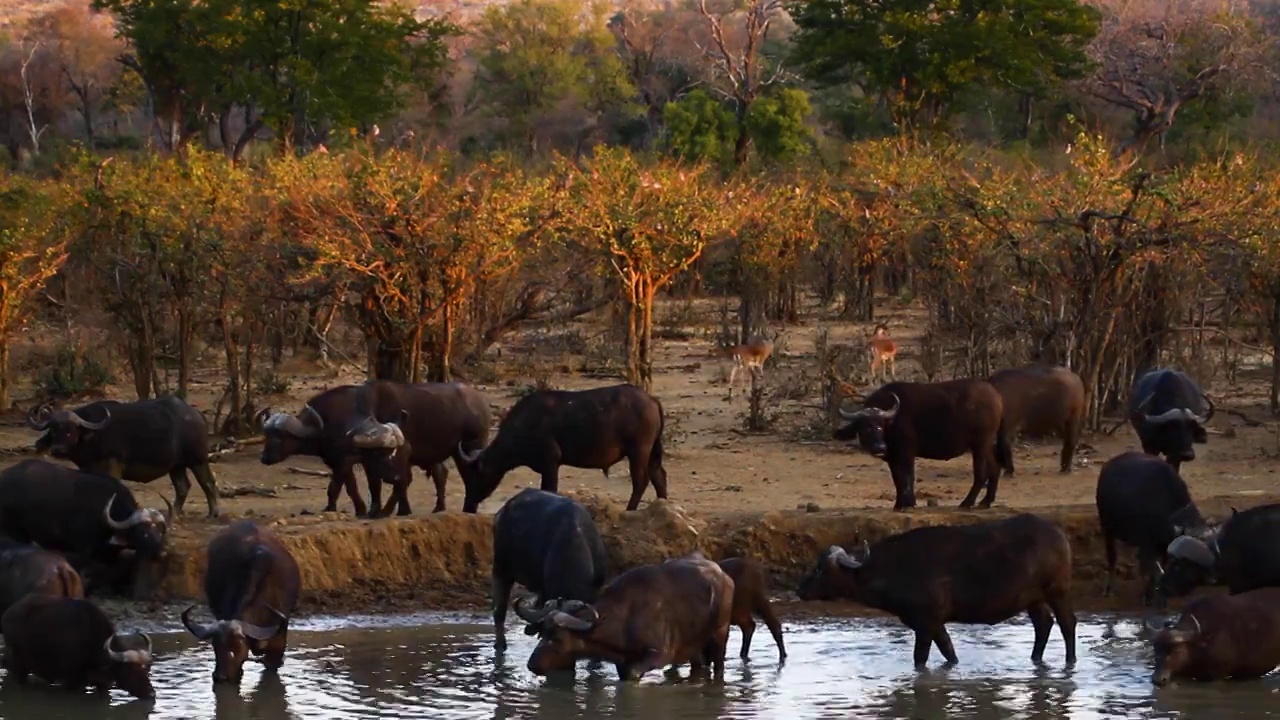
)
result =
(532, 630)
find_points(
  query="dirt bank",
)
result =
(441, 562)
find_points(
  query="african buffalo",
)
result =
(982, 573)
(81, 514)
(1221, 637)
(1143, 502)
(751, 597)
(320, 430)
(549, 544)
(649, 617)
(73, 642)
(937, 421)
(135, 441)
(399, 425)
(1242, 554)
(594, 428)
(1042, 400)
(1169, 412)
(252, 586)
(26, 569)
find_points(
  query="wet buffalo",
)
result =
(1243, 554)
(1042, 400)
(982, 573)
(83, 515)
(646, 618)
(1143, 503)
(751, 600)
(398, 425)
(1169, 411)
(135, 441)
(72, 642)
(595, 428)
(1221, 637)
(26, 569)
(252, 585)
(549, 544)
(936, 421)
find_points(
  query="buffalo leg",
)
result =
(1109, 544)
(748, 628)
(204, 476)
(501, 598)
(979, 480)
(344, 478)
(639, 480)
(904, 485)
(440, 476)
(1147, 571)
(181, 487)
(1042, 621)
(942, 639)
(924, 643)
(1066, 617)
(374, 481)
(1069, 435)
(719, 648)
(775, 629)
(551, 478)
(273, 653)
(993, 484)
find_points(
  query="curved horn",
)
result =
(90, 425)
(469, 457)
(866, 551)
(1186, 635)
(525, 609)
(855, 415)
(308, 410)
(114, 655)
(1211, 408)
(202, 632)
(1167, 416)
(146, 639)
(259, 632)
(168, 516)
(1192, 550)
(844, 559)
(40, 411)
(118, 525)
(569, 622)
(897, 403)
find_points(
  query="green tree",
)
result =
(917, 55)
(776, 124)
(699, 127)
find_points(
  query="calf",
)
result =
(26, 569)
(1221, 637)
(937, 421)
(1169, 411)
(982, 573)
(751, 597)
(646, 618)
(1243, 554)
(594, 428)
(1143, 502)
(550, 545)
(1042, 400)
(252, 585)
(73, 642)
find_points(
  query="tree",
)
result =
(84, 47)
(776, 124)
(916, 56)
(700, 128)
(655, 45)
(535, 57)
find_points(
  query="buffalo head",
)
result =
(65, 431)
(868, 426)
(1192, 563)
(145, 530)
(232, 640)
(1177, 429)
(285, 434)
(1172, 648)
(835, 575)
(128, 668)
(480, 477)
(564, 628)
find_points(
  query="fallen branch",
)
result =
(1247, 420)
(306, 471)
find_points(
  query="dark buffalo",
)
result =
(982, 573)
(936, 421)
(646, 618)
(1042, 400)
(398, 425)
(1143, 503)
(550, 545)
(26, 569)
(320, 430)
(751, 598)
(252, 586)
(136, 441)
(580, 428)
(81, 514)
(1221, 637)
(1242, 554)
(71, 641)
(1169, 411)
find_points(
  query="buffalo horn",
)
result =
(308, 410)
(113, 654)
(842, 557)
(147, 639)
(132, 520)
(1154, 625)
(874, 412)
(258, 632)
(571, 622)
(468, 457)
(42, 412)
(202, 632)
(866, 551)
(524, 608)
(90, 425)
(1191, 549)
(260, 418)
(168, 516)
(1186, 635)
(1170, 416)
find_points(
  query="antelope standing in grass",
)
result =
(883, 351)
(750, 356)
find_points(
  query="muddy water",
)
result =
(444, 667)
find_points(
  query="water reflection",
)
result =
(848, 668)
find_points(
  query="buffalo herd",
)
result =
(66, 531)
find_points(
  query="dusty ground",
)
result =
(731, 492)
